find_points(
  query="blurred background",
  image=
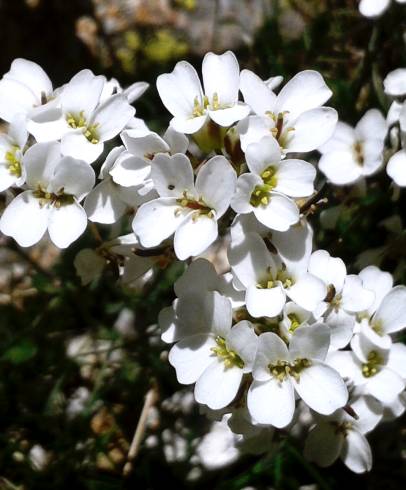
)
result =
(76, 362)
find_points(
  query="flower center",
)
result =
(79, 121)
(199, 206)
(54, 199)
(261, 193)
(199, 109)
(280, 131)
(377, 327)
(294, 322)
(229, 357)
(282, 369)
(270, 281)
(342, 427)
(358, 150)
(373, 364)
(13, 163)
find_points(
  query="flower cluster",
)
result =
(286, 331)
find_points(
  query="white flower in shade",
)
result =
(56, 186)
(352, 153)
(345, 296)
(267, 280)
(181, 93)
(396, 167)
(395, 83)
(280, 371)
(23, 90)
(132, 93)
(133, 167)
(108, 201)
(342, 436)
(12, 145)
(213, 354)
(188, 209)
(265, 190)
(294, 117)
(387, 315)
(81, 122)
(374, 8)
(89, 265)
(375, 371)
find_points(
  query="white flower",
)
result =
(188, 209)
(294, 316)
(294, 116)
(133, 167)
(213, 354)
(264, 190)
(387, 315)
(12, 145)
(376, 371)
(395, 83)
(346, 296)
(267, 280)
(108, 201)
(374, 8)
(56, 186)
(354, 153)
(81, 122)
(342, 436)
(23, 90)
(182, 94)
(280, 371)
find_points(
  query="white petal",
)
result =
(157, 220)
(112, 116)
(323, 444)
(279, 214)
(217, 386)
(373, 8)
(24, 219)
(391, 314)
(395, 82)
(256, 93)
(82, 94)
(32, 75)
(243, 340)
(193, 236)
(66, 224)
(178, 142)
(75, 177)
(342, 139)
(265, 302)
(263, 154)
(355, 297)
(340, 167)
(304, 91)
(396, 168)
(307, 291)
(347, 364)
(397, 359)
(200, 276)
(312, 129)
(341, 326)
(373, 156)
(295, 178)
(6, 178)
(47, 123)
(221, 76)
(142, 142)
(179, 89)
(331, 270)
(191, 356)
(135, 90)
(130, 170)
(76, 145)
(356, 453)
(215, 183)
(321, 388)
(377, 281)
(188, 125)
(372, 125)
(252, 129)
(369, 412)
(172, 175)
(40, 162)
(311, 342)
(226, 117)
(271, 402)
(385, 386)
(103, 204)
(15, 98)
